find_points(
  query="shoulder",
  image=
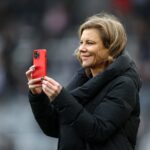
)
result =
(124, 89)
(125, 81)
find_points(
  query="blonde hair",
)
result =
(112, 33)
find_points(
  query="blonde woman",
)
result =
(99, 110)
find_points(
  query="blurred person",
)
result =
(10, 41)
(2, 69)
(141, 9)
(55, 20)
(2, 78)
(6, 142)
(143, 34)
(99, 109)
(123, 7)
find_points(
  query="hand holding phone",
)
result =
(40, 63)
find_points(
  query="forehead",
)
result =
(91, 33)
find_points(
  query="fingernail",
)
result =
(32, 68)
(42, 78)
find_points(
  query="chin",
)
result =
(86, 65)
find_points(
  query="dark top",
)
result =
(99, 113)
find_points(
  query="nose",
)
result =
(82, 48)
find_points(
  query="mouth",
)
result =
(84, 57)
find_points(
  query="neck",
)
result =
(98, 69)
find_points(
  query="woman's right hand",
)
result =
(34, 85)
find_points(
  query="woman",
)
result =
(99, 110)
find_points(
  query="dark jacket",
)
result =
(99, 113)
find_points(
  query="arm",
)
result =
(44, 114)
(109, 115)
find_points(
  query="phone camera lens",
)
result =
(36, 54)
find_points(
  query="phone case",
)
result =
(40, 63)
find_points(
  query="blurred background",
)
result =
(26, 25)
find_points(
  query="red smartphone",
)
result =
(40, 63)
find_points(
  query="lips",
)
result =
(84, 57)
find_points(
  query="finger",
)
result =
(48, 84)
(55, 86)
(32, 67)
(48, 91)
(35, 86)
(52, 81)
(54, 90)
(28, 74)
(34, 81)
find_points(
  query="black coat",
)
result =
(99, 113)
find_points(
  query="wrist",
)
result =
(36, 92)
(52, 98)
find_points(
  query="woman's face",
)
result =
(91, 50)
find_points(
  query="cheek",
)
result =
(102, 55)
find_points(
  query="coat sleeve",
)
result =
(108, 116)
(44, 114)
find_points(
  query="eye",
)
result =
(90, 42)
(81, 42)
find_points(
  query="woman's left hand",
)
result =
(51, 88)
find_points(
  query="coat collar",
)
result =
(89, 89)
